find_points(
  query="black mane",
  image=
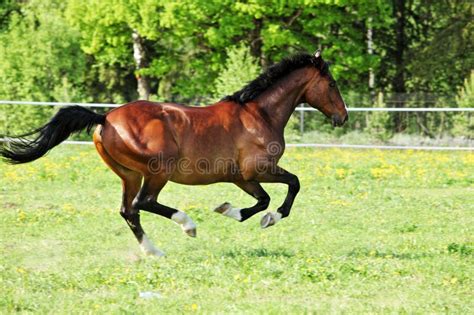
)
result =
(272, 75)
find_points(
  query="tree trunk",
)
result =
(256, 42)
(139, 54)
(370, 51)
(398, 83)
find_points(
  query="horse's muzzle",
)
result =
(338, 121)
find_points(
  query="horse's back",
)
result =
(138, 131)
(144, 110)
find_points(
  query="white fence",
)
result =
(301, 109)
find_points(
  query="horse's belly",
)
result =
(204, 171)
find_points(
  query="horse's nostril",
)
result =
(337, 121)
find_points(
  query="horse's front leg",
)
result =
(277, 174)
(255, 190)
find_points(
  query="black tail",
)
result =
(67, 120)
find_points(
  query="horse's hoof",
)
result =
(191, 232)
(185, 222)
(223, 208)
(149, 249)
(229, 211)
(155, 253)
(269, 219)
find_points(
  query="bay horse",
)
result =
(238, 140)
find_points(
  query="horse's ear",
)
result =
(317, 54)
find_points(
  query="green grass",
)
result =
(371, 231)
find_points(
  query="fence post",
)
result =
(302, 120)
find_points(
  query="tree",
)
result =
(40, 60)
(443, 53)
(39, 55)
(174, 50)
(117, 34)
(429, 47)
(272, 30)
(240, 68)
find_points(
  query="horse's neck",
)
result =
(280, 101)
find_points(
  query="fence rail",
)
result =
(301, 109)
(328, 145)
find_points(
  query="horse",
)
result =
(238, 140)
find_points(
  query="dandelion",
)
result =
(69, 208)
(341, 173)
(21, 216)
(12, 176)
(420, 172)
(376, 173)
(339, 203)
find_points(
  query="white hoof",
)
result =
(229, 211)
(149, 249)
(185, 222)
(269, 219)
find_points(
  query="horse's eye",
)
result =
(332, 84)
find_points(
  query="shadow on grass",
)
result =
(258, 252)
(365, 252)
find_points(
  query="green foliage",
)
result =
(8, 8)
(39, 56)
(186, 42)
(461, 249)
(40, 60)
(19, 119)
(106, 27)
(463, 123)
(441, 52)
(465, 97)
(239, 69)
(377, 121)
(82, 50)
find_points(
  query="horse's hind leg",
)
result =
(146, 200)
(131, 187)
(131, 182)
(255, 190)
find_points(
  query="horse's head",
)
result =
(322, 93)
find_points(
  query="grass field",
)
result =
(371, 231)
